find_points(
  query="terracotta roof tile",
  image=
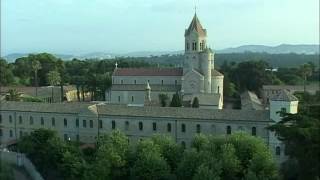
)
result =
(148, 72)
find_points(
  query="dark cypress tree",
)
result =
(176, 101)
(195, 103)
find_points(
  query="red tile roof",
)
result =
(148, 72)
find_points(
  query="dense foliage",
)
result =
(301, 134)
(238, 156)
(242, 71)
(6, 171)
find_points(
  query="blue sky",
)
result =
(82, 26)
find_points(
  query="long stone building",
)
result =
(197, 77)
(85, 122)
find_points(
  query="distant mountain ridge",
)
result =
(281, 49)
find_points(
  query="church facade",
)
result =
(196, 79)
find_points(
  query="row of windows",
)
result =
(53, 121)
(113, 125)
(135, 81)
(194, 46)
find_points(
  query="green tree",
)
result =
(163, 98)
(36, 66)
(306, 71)
(149, 165)
(195, 103)
(111, 156)
(6, 75)
(44, 148)
(53, 79)
(300, 133)
(176, 101)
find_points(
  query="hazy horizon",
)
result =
(78, 27)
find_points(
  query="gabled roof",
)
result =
(215, 73)
(196, 25)
(284, 95)
(148, 72)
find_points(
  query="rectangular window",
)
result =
(91, 124)
(65, 122)
(42, 121)
(77, 122)
(11, 133)
(100, 124)
(132, 98)
(20, 133)
(84, 123)
(183, 128)
(113, 124)
(135, 81)
(169, 127)
(0, 118)
(53, 122)
(121, 81)
(119, 99)
(154, 126)
(175, 82)
(283, 110)
(10, 119)
(1, 133)
(78, 138)
(161, 82)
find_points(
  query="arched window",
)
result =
(0, 118)
(119, 99)
(154, 126)
(100, 124)
(278, 151)
(11, 133)
(126, 125)
(91, 124)
(1, 133)
(198, 128)
(254, 131)
(53, 121)
(161, 82)
(42, 121)
(218, 89)
(183, 128)
(31, 120)
(132, 98)
(20, 120)
(77, 122)
(183, 144)
(228, 129)
(187, 45)
(135, 81)
(169, 127)
(65, 122)
(140, 126)
(10, 119)
(121, 81)
(113, 124)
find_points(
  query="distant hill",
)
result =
(281, 49)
